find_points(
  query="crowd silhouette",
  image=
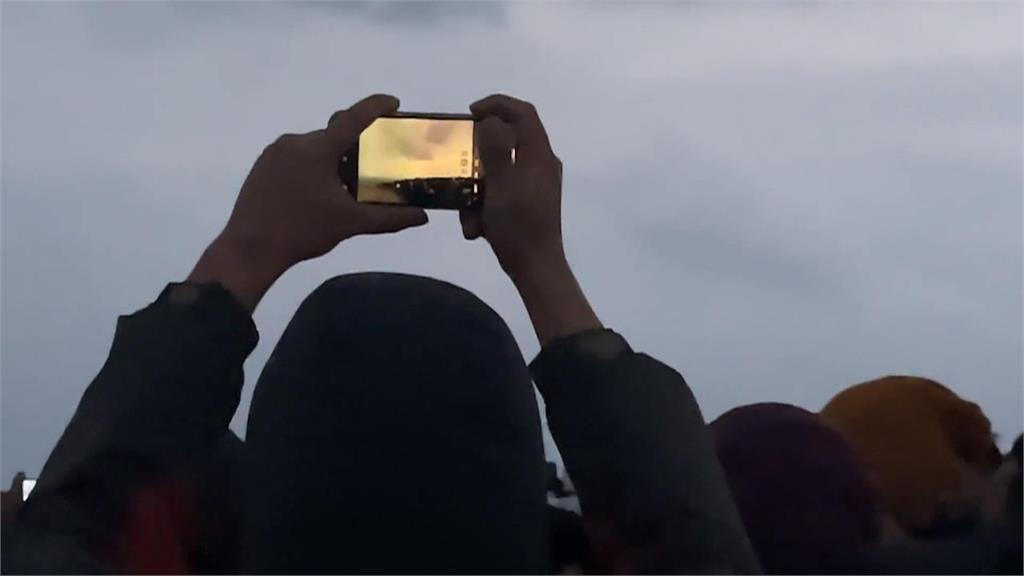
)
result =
(363, 457)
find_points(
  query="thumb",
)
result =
(472, 222)
(384, 219)
(496, 140)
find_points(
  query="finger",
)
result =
(530, 132)
(384, 219)
(495, 139)
(472, 223)
(344, 127)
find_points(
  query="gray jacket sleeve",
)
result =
(652, 492)
(167, 392)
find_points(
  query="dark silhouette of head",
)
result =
(385, 394)
(804, 499)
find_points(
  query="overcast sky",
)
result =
(779, 200)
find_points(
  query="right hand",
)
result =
(521, 215)
(11, 500)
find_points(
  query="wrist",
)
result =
(543, 276)
(538, 268)
(241, 268)
(554, 299)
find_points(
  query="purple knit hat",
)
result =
(804, 499)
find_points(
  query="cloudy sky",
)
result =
(777, 199)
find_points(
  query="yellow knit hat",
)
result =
(927, 452)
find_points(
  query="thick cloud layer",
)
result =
(778, 200)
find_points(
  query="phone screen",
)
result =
(27, 486)
(393, 150)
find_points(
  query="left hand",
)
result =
(293, 207)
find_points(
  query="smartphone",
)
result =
(416, 159)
